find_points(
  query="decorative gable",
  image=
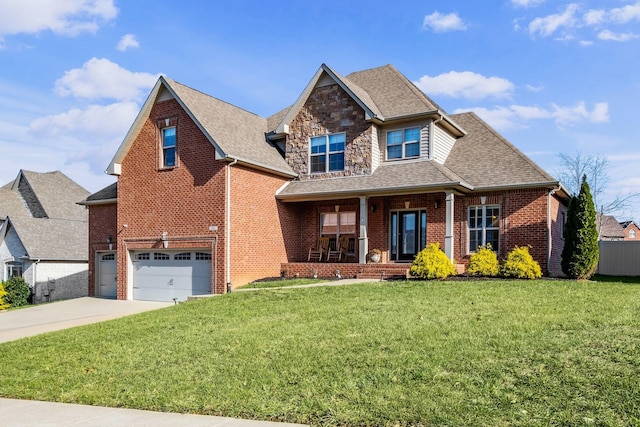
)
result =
(330, 110)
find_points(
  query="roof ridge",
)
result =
(415, 88)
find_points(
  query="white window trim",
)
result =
(483, 228)
(403, 144)
(328, 153)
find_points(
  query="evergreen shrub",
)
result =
(18, 292)
(520, 264)
(484, 262)
(432, 263)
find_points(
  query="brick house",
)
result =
(631, 231)
(210, 195)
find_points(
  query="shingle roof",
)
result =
(485, 159)
(108, 193)
(609, 227)
(392, 92)
(237, 132)
(52, 239)
(62, 234)
(58, 194)
(396, 178)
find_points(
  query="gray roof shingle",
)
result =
(239, 133)
(62, 234)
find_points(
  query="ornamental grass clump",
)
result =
(432, 263)
(519, 264)
(484, 262)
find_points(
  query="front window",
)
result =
(632, 234)
(168, 147)
(327, 153)
(333, 225)
(403, 143)
(484, 227)
(14, 269)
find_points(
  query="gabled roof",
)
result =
(42, 209)
(626, 224)
(235, 133)
(487, 160)
(52, 239)
(609, 227)
(383, 93)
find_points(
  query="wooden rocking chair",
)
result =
(342, 246)
(322, 247)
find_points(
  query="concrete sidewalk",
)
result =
(33, 413)
(37, 319)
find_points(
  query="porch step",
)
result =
(383, 271)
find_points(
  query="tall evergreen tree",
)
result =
(581, 252)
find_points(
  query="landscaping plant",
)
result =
(484, 262)
(520, 264)
(432, 263)
(581, 252)
(18, 292)
(3, 304)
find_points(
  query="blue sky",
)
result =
(551, 76)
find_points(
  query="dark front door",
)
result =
(409, 234)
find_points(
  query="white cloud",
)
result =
(518, 116)
(466, 84)
(127, 41)
(617, 37)
(623, 15)
(532, 88)
(440, 23)
(594, 16)
(68, 17)
(101, 78)
(527, 3)
(548, 25)
(100, 122)
(585, 42)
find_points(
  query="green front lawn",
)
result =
(494, 353)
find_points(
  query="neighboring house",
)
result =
(609, 228)
(211, 196)
(43, 235)
(631, 231)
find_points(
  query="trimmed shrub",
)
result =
(3, 304)
(520, 264)
(432, 263)
(18, 292)
(484, 262)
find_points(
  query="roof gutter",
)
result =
(97, 202)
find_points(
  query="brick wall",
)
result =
(182, 201)
(329, 109)
(103, 222)
(263, 230)
(558, 217)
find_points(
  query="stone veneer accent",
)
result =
(329, 109)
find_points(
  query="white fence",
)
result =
(619, 258)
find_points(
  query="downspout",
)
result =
(549, 236)
(35, 276)
(227, 228)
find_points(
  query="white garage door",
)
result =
(165, 275)
(107, 275)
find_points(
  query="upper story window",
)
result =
(327, 153)
(403, 143)
(632, 234)
(484, 227)
(169, 147)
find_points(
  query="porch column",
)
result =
(448, 227)
(363, 239)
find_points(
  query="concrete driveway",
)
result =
(26, 322)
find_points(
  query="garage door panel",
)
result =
(166, 279)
